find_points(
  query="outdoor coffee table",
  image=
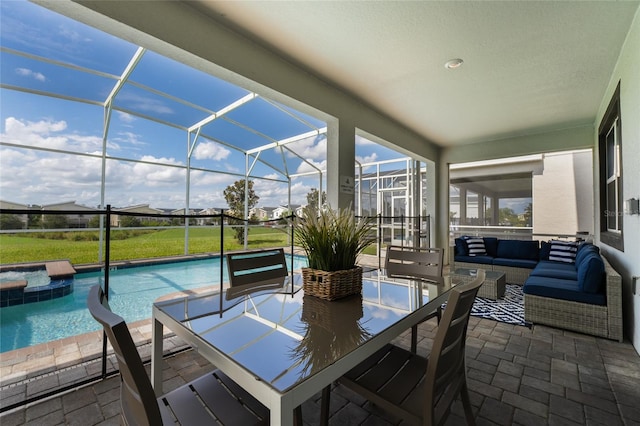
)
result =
(494, 283)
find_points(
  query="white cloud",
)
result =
(233, 169)
(360, 141)
(125, 117)
(41, 178)
(126, 138)
(33, 177)
(211, 151)
(48, 134)
(206, 180)
(144, 103)
(71, 34)
(155, 176)
(306, 167)
(208, 199)
(273, 194)
(126, 183)
(42, 126)
(314, 147)
(162, 160)
(367, 159)
(299, 192)
(25, 72)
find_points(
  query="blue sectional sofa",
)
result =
(515, 258)
(575, 289)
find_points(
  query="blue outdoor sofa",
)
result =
(565, 285)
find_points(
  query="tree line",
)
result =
(234, 195)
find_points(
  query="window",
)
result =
(610, 150)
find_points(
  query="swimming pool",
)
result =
(132, 292)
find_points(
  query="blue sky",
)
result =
(62, 125)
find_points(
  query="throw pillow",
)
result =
(475, 247)
(563, 251)
(491, 245)
(461, 246)
(591, 274)
(545, 249)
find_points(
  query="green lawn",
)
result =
(17, 248)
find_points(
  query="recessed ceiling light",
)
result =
(453, 64)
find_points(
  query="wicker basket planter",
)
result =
(332, 285)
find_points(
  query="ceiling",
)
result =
(529, 67)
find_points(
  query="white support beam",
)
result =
(289, 140)
(223, 111)
(125, 75)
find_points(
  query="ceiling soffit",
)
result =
(529, 67)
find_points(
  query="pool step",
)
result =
(17, 293)
(13, 285)
(60, 269)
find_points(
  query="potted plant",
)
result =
(332, 241)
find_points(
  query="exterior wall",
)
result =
(15, 206)
(260, 213)
(277, 212)
(73, 220)
(626, 262)
(208, 220)
(115, 218)
(11, 205)
(563, 195)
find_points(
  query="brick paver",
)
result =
(522, 386)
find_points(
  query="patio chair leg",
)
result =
(324, 405)
(414, 329)
(466, 403)
(297, 416)
(414, 338)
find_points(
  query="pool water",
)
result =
(132, 292)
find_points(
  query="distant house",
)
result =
(269, 211)
(180, 212)
(75, 220)
(24, 218)
(140, 208)
(206, 220)
(259, 212)
(280, 210)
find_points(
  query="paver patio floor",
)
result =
(516, 375)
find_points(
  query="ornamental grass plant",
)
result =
(333, 239)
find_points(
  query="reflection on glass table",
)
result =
(284, 347)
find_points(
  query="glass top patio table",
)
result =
(284, 346)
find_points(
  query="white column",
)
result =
(341, 148)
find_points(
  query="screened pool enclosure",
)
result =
(113, 154)
(91, 120)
